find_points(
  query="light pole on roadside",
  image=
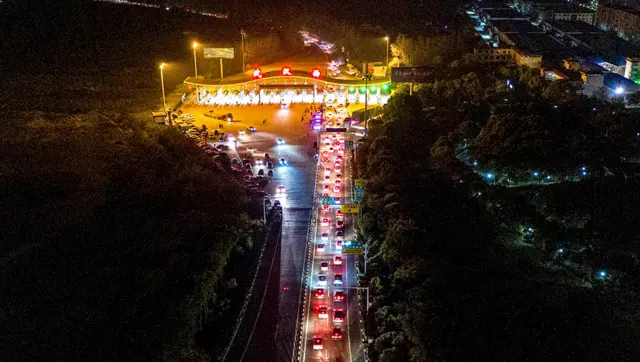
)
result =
(195, 61)
(243, 51)
(367, 78)
(386, 38)
(164, 100)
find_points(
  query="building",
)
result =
(632, 69)
(623, 20)
(551, 12)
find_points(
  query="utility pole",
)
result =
(221, 70)
(367, 78)
(243, 51)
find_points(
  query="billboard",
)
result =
(411, 75)
(224, 53)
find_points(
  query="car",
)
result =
(324, 159)
(318, 344)
(247, 178)
(340, 151)
(336, 188)
(325, 153)
(326, 178)
(325, 187)
(338, 168)
(320, 248)
(324, 237)
(338, 296)
(339, 176)
(319, 293)
(325, 194)
(222, 147)
(325, 222)
(337, 279)
(336, 333)
(340, 158)
(283, 162)
(337, 164)
(259, 161)
(339, 213)
(261, 172)
(339, 224)
(327, 171)
(269, 165)
(339, 244)
(323, 312)
(247, 167)
(327, 143)
(324, 207)
(267, 156)
(230, 136)
(242, 133)
(338, 182)
(322, 280)
(339, 234)
(331, 150)
(248, 172)
(338, 315)
(280, 189)
(324, 266)
(270, 173)
(252, 129)
(280, 141)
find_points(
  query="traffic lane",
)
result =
(298, 177)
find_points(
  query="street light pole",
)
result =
(243, 51)
(367, 77)
(164, 100)
(387, 40)
(195, 61)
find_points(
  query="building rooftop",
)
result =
(574, 27)
(537, 44)
(491, 4)
(503, 14)
(565, 8)
(621, 8)
(614, 81)
(604, 44)
(515, 26)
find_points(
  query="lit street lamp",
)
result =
(164, 100)
(195, 62)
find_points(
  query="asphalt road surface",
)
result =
(272, 338)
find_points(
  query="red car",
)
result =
(338, 296)
(319, 293)
(336, 333)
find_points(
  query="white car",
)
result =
(242, 133)
(325, 222)
(322, 280)
(327, 171)
(324, 237)
(337, 260)
(320, 248)
(336, 280)
(280, 189)
(339, 244)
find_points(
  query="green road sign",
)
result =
(352, 247)
(326, 200)
(348, 145)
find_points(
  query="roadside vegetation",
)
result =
(474, 254)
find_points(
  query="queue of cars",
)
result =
(329, 297)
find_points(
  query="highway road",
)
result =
(332, 324)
